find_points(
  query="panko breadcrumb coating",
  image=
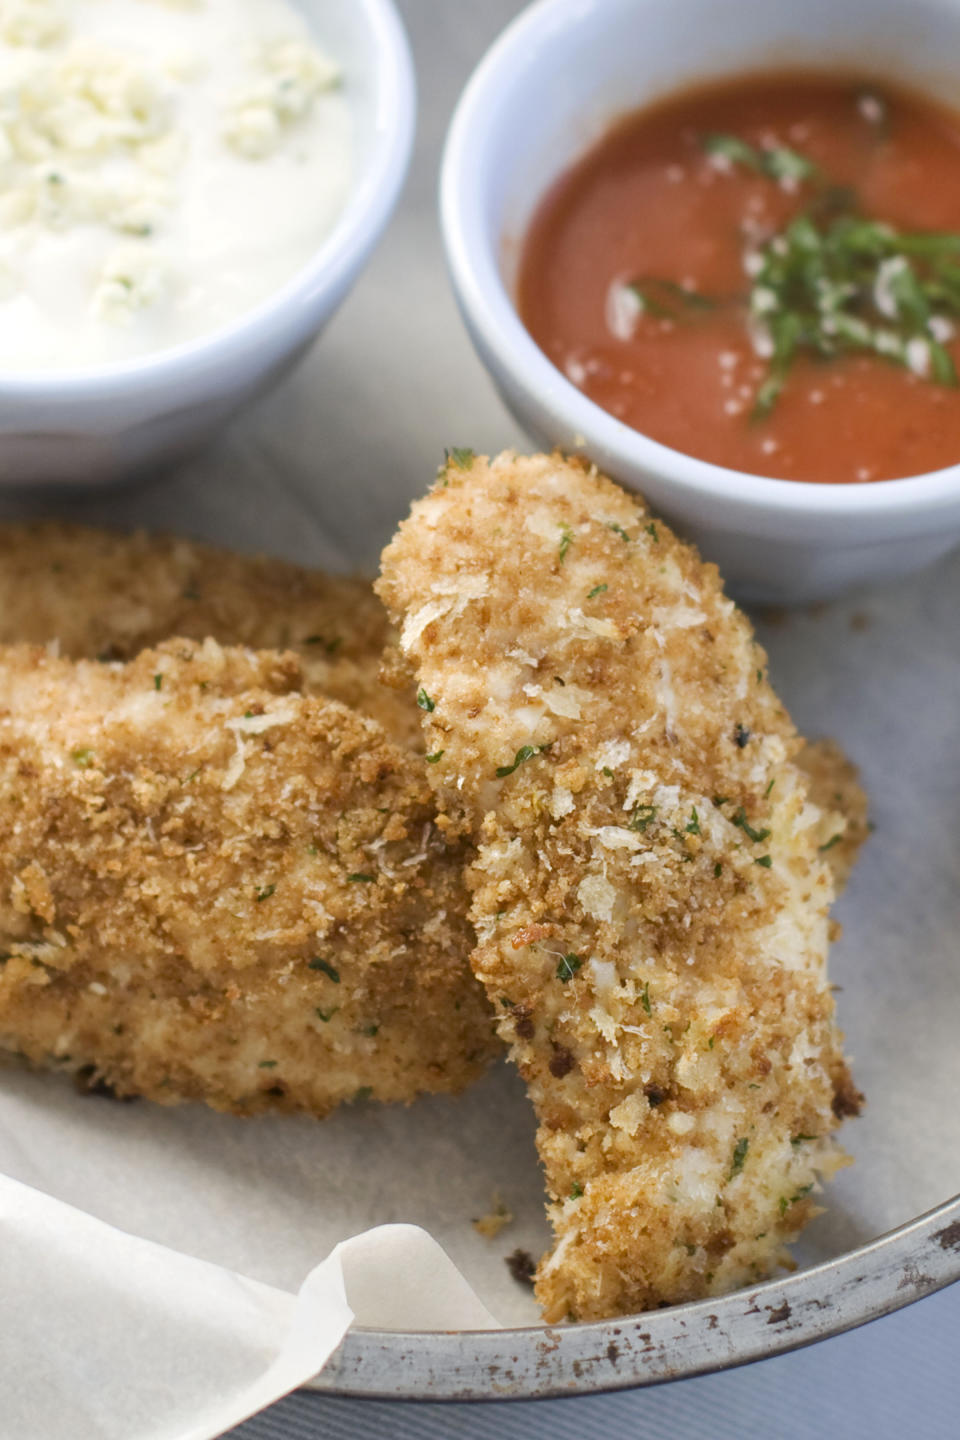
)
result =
(836, 791)
(649, 894)
(216, 888)
(100, 594)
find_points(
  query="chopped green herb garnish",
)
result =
(526, 752)
(717, 870)
(741, 737)
(802, 1139)
(739, 1156)
(645, 998)
(568, 967)
(801, 1194)
(369, 1030)
(424, 701)
(437, 755)
(850, 285)
(576, 1190)
(266, 891)
(693, 825)
(618, 530)
(597, 590)
(361, 878)
(740, 818)
(666, 299)
(765, 860)
(607, 771)
(566, 540)
(651, 530)
(158, 682)
(326, 1015)
(777, 162)
(642, 817)
(327, 969)
(834, 840)
(833, 281)
(767, 793)
(83, 758)
(506, 1002)
(462, 457)
(268, 1064)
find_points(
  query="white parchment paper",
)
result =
(321, 472)
(128, 1338)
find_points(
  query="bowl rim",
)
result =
(512, 352)
(536, 1361)
(291, 307)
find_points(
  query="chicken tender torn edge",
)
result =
(650, 894)
(219, 889)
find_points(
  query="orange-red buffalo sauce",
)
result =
(650, 203)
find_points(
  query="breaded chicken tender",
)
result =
(217, 888)
(649, 894)
(103, 595)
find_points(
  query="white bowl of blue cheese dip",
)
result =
(188, 188)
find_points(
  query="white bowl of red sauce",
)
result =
(716, 248)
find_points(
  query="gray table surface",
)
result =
(392, 381)
(896, 1378)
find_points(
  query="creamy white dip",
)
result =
(164, 166)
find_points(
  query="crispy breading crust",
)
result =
(836, 791)
(650, 902)
(98, 593)
(102, 594)
(216, 888)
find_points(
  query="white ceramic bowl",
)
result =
(112, 422)
(542, 95)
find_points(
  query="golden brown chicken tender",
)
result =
(101, 594)
(217, 888)
(98, 593)
(649, 894)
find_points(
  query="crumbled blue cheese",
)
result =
(292, 75)
(130, 281)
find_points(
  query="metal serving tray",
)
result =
(670, 1344)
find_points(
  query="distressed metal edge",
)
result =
(537, 1362)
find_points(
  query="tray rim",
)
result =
(540, 1361)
